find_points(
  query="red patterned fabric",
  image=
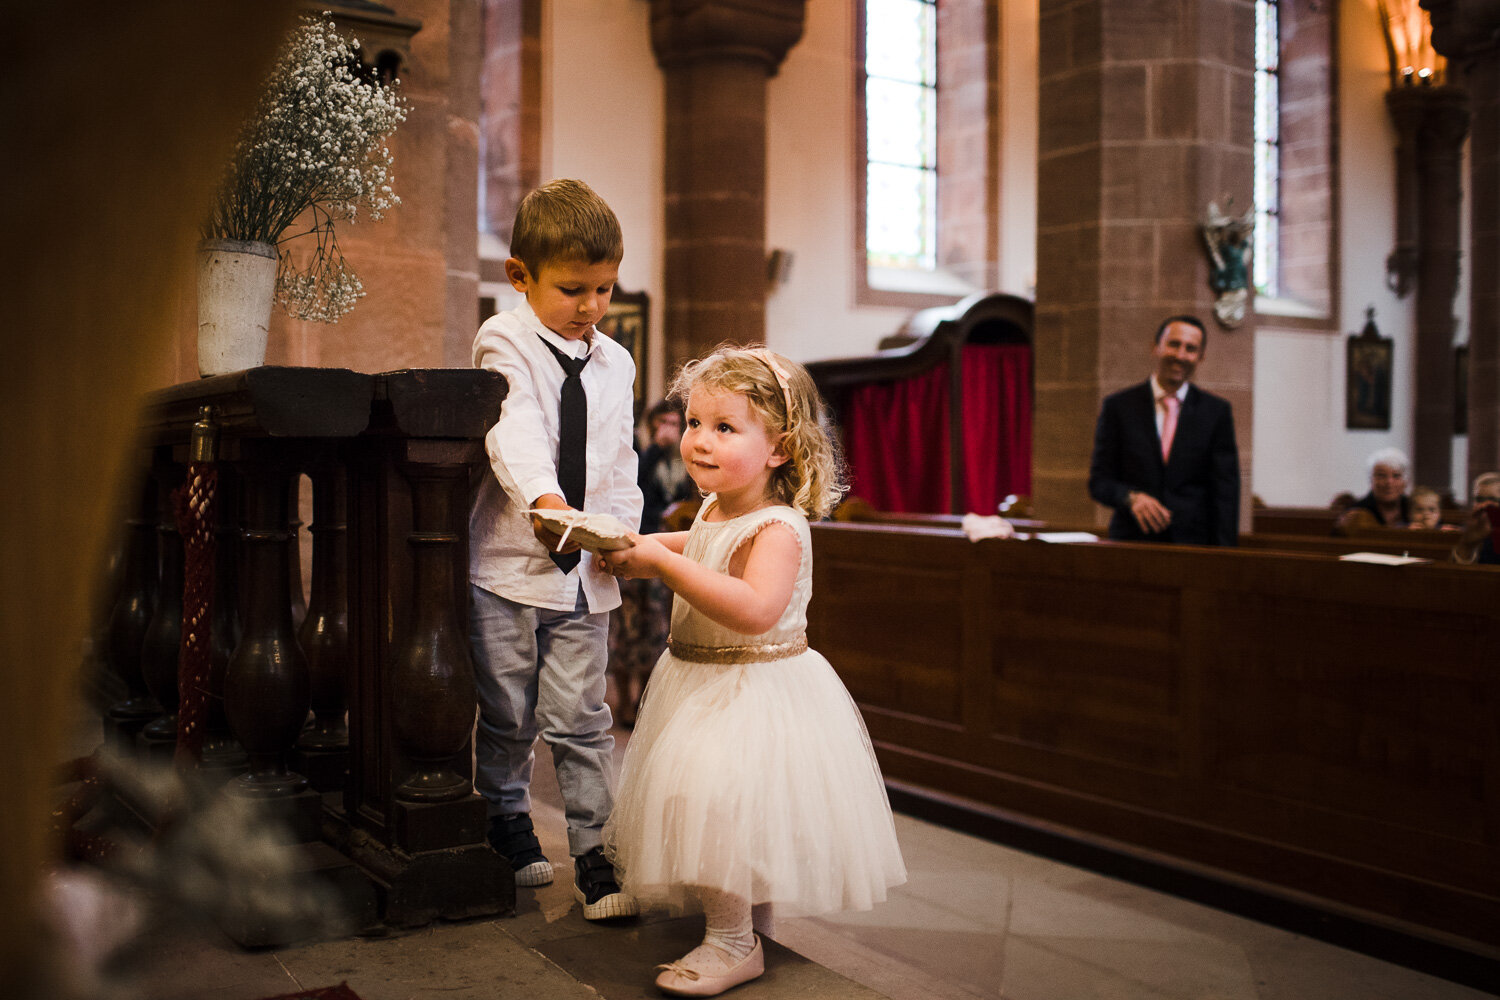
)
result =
(195, 506)
(896, 434)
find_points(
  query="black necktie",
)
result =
(572, 440)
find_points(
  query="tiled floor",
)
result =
(975, 920)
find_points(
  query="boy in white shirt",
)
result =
(539, 619)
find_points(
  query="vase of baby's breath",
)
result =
(313, 153)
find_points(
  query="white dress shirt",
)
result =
(504, 556)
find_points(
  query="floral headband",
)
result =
(782, 378)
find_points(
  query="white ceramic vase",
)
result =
(236, 288)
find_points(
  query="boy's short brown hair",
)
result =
(564, 220)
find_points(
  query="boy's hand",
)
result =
(641, 561)
(545, 535)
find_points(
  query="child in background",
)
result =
(539, 618)
(1426, 509)
(638, 630)
(750, 779)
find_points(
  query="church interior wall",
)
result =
(1304, 454)
(811, 187)
(603, 121)
(810, 197)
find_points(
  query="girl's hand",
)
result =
(641, 561)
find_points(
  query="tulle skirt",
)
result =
(756, 779)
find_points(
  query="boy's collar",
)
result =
(553, 337)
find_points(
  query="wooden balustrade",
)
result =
(1322, 730)
(323, 747)
(131, 616)
(383, 635)
(159, 645)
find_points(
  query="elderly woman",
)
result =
(1386, 505)
(1477, 543)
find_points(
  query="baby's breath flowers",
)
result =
(314, 149)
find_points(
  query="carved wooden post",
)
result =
(323, 749)
(129, 621)
(411, 816)
(159, 648)
(434, 677)
(266, 689)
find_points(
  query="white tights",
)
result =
(729, 933)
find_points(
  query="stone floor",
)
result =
(975, 920)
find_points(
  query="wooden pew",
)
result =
(1434, 545)
(1322, 729)
(1293, 520)
(1316, 520)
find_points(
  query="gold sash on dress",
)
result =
(737, 654)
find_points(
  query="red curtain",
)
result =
(896, 434)
(997, 424)
(896, 442)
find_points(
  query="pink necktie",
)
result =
(1169, 424)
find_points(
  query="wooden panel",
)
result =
(1382, 732)
(1109, 692)
(899, 637)
(1327, 727)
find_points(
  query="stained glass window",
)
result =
(901, 133)
(1266, 258)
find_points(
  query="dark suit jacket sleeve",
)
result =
(1224, 455)
(1105, 484)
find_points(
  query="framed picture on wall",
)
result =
(1368, 380)
(627, 323)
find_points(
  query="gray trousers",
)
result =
(542, 672)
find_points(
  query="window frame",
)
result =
(941, 288)
(1308, 277)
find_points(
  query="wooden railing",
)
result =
(381, 641)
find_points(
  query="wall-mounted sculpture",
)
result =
(1227, 238)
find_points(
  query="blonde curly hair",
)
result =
(781, 391)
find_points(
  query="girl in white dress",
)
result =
(749, 779)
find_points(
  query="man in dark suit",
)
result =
(1164, 452)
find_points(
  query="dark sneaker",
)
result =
(513, 839)
(595, 886)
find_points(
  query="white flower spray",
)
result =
(315, 146)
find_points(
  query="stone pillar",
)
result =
(1431, 123)
(969, 141)
(1467, 32)
(1144, 122)
(716, 56)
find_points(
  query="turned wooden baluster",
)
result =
(433, 688)
(160, 646)
(220, 751)
(324, 635)
(294, 550)
(266, 689)
(129, 621)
